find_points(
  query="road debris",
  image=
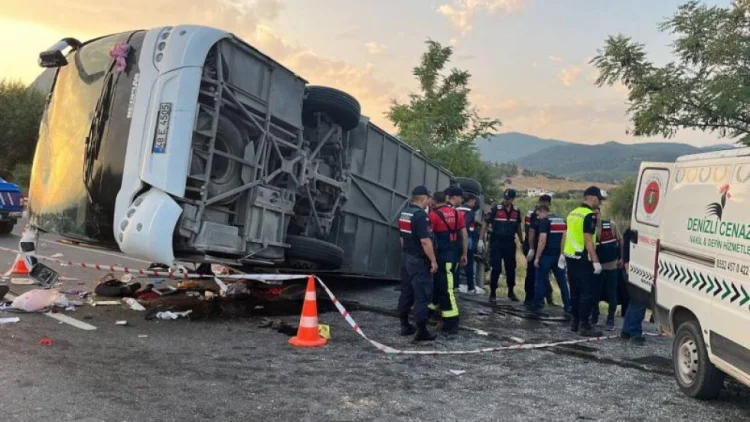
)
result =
(36, 300)
(9, 320)
(122, 323)
(142, 335)
(104, 302)
(170, 315)
(278, 325)
(46, 342)
(457, 372)
(21, 281)
(109, 286)
(134, 304)
(324, 331)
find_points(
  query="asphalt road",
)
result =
(230, 369)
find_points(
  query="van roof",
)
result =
(727, 153)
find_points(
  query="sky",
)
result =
(528, 58)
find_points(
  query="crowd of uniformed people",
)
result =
(440, 235)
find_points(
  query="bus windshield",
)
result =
(60, 198)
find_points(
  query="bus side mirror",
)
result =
(54, 56)
(634, 237)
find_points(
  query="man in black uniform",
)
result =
(530, 243)
(418, 265)
(506, 225)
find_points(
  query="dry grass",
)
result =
(553, 185)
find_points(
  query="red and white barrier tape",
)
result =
(156, 273)
(280, 277)
(390, 350)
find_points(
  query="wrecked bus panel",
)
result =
(383, 172)
(187, 144)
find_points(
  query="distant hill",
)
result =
(511, 146)
(608, 162)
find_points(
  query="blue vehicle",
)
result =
(11, 208)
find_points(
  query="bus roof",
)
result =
(727, 153)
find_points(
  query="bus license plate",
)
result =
(162, 128)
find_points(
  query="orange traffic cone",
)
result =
(20, 267)
(307, 333)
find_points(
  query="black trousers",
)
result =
(416, 287)
(443, 295)
(583, 290)
(503, 252)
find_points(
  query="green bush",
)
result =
(619, 204)
(21, 175)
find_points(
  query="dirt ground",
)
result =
(230, 369)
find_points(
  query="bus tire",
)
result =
(226, 174)
(322, 254)
(696, 376)
(469, 185)
(341, 107)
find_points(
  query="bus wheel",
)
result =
(341, 107)
(317, 253)
(226, 174)
(696, 376)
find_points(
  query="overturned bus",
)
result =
(187, 144)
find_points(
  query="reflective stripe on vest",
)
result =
(404, 222)
(606, 235)
(466, 212)
(574, 238)
(606, 245)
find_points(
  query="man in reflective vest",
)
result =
(468, 210)
(551, 231)
(418, 265)
(530, 242)
(582, 261)
(506, 225)
(449, 229)
(608, 241)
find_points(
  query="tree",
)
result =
(440, 120)
(706, 88)
(21, 110)
(619, 204)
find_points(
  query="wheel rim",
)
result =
(687, 361)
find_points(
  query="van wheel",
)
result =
(319, 253)
(696, 375)
(341, 107)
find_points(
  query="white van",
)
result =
(690, 262)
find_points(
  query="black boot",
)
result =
(512, 296)
(450, 326)
(423, 334)
(588, 331)
(574, 326)
(406, 328)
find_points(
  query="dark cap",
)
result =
(509, 194)
(420, 190)
(545, 198)
(454, 191)
(594, 191)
